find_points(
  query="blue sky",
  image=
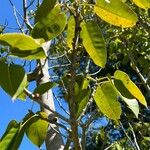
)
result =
(10, 110)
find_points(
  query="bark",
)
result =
(53, 139)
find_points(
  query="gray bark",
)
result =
(53, 139)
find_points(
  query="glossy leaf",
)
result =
(70, 31)
(44, 9)
(93, 42)
(13, 79)
(127, 88)
(50, 26)
(107, 102)
(41, 89)
(37, 130)
(133, 105)
(116, 13)
(7, 139)
(22, 45)
(145, 4)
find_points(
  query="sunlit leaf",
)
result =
(116, 13)
(93, 42)
(22, 45)
(70, 31)
(51, 25)
(13, 79)
(37, 130)
(44, 9)
(127, 88)
(145, 4)
(8, 137)
(107, 102)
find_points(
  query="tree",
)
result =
(70, 31)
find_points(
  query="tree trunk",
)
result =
(53, 139)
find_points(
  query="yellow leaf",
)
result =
(116, 13)
(128, 86)
(145, 4)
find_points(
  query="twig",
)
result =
(127, 136)
(109, 146)
(135, 140)
(95, 73)
(59, 66)
(26, 19)
(144, 81)
(16, 17)
(61, 105)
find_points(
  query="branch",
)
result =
(37, 99)
(26, 19)
(127, 136)
(135, 140)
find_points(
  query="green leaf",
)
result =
(145, 4)
(50, 26)
(127, 88)
(94, 43)
(70, 31)
(106, 100)
(133, 105)
(13, 79)
(8, 137)
(116, 13)
(41, 89)
(146, 138)
(37, 130)
(22, 45)
(82, 100)
(44, 9)
(82, 94)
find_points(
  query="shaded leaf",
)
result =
(133, 105)
(82, 101)
(70, 31)
(116, 13)
(13, 79)
(22, 45)
(44, 9)
(41, 89)
(130, 87)
(145, 4)
(107, 102)
(93, 42)
(51, 26)
(82, 94)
